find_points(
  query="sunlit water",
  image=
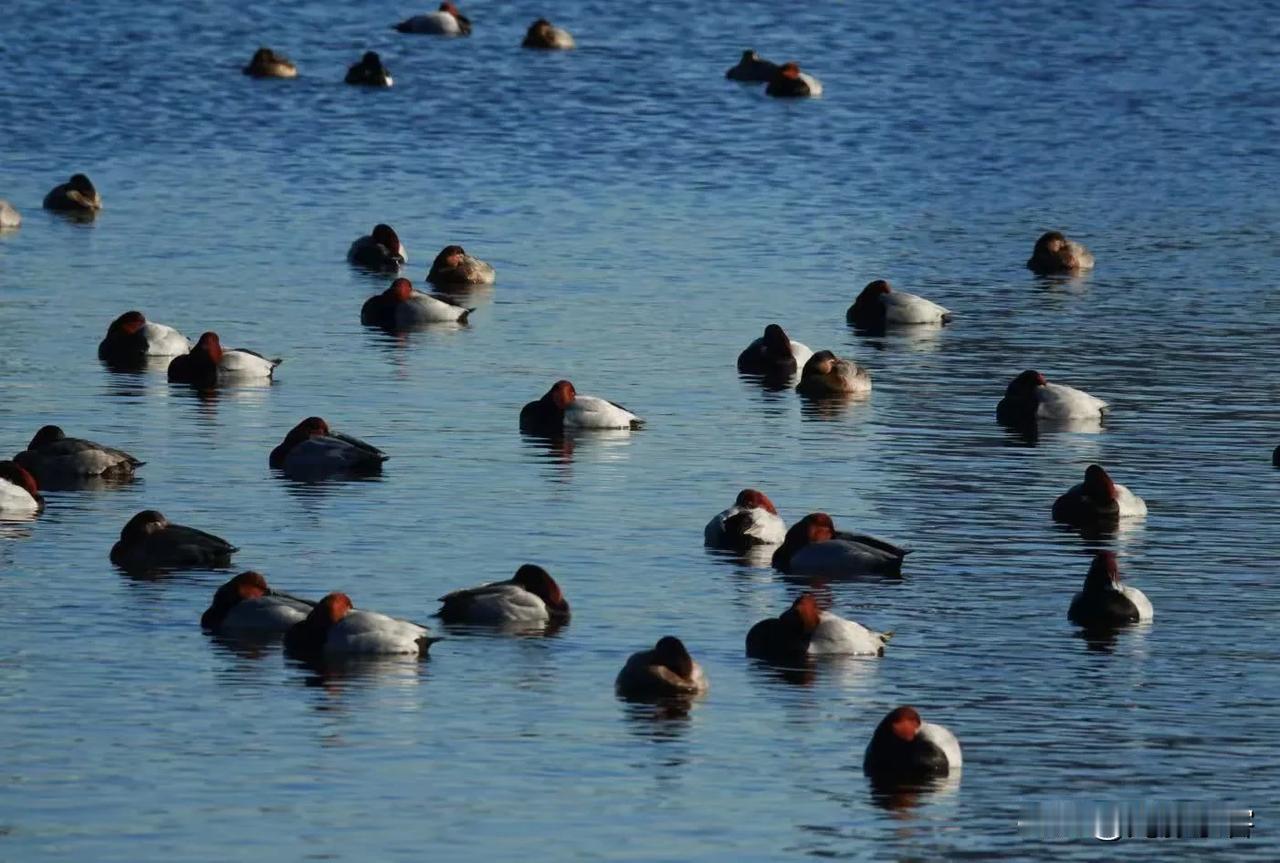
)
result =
(646, 218)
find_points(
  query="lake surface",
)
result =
(647, 218)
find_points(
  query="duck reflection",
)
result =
(901, 798)
(830, 407)
(659, 719)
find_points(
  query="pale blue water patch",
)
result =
(647, 218)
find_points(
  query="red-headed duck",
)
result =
(400, 307)
(1105, 602)
(19, 494)
(879, 305)
(149, 541)
(77, 195)
(1097, 500)
(773, 354)
(380, 250)
(209, 364)
(531, 596)
(334, 628)
(752, 520)
(312, 451)
(51, 457)
(1030, 397)
(563, 409)
(789, 82)
(453, 266)
(131, 339)
(752, 68)
(905, 748)
(813, 546)
(545, 36)
(369, 72)
(246, 605)
(268, 64)
(1055, 254)
(447, 21)
(826, 374)
(806, 630)
(666, 670)
(9, 216)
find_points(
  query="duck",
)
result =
(1105, 602)
(380, 250)
(77, 195)
(1097, 500)
(773, 354)
(1030, 397)
(905, 748)
(150, 541)
(879, 305)
(400, 307)
(19, 493)
(209, 364)
(266, 63)
(545, 36)
(453, 266)
(369, 72)
(447, 21)
(1054, 254)
(335, 628)
(9, 216)
(530, 596)
(52, 456)
(826, 374)
(753, 68)
(312, 451)
(245, 604)
(131, 338)
(789, 82)
(562, 409)
(665, 670)
(752, 520)
(805, 630)
(813, 546)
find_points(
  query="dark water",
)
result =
(646, 218)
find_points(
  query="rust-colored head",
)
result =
(804, 613)
(210, 346)
(400, 290)
(753, 499)
(46, 435)
(1104, 574)
(127, 324)
(330, 610)
(246, 585)
(879, 286)
(382, 234)
(450, 256)
(562, 394)
(1098, 483)
(671, 653)
(904, 722)
(450, 8)
(1024, 384)
(308, 428)
(142, 525)
(789, 70)
(19, 476)
(539, 582)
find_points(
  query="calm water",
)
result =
(647, 218)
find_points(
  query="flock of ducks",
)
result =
(903, 746)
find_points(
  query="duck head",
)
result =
(539, 582)
(803, 616)
(383, 235)
(449, 257)
(670, 652)
(1098, 483)
(19, 476)
(814, 527)
(399, 291)
(329, 611)
(1024, 386)
(246, 585)
(127, 324)
(142, 525)
(46, 435)
(776, 341)
(1104, 574)
(752, 499)
(209, 346)
(561, 394)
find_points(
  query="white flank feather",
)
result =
(941, 737)
(904, 308)
(1058, 401)
(16, 500)
(371, 633)
(835, 636)
(589, 412)
(164, 341)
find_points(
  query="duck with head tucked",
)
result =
(400, 307)
(666, 670)
(334, 628)
(77, 195)
(446, 21)
(879, 305)
(312, 451)
(266, 63)
(788, 82)
(906, 749)
(805, 630)
(1104, 602)
(369, 72)
(52, 457)
(209, 364)
(545, 36)
(245, 604)
(9, 216)
(826, 375)
(151, 541)
(531, 596)
(454, 267)
(752, 520)
(774, 354)
(19, 494)
(131, 339)
(562, 409)
(1055, 254)
(1098, 501)
(380, 250)
(752, 68)
(1030, 397)
(814, 547)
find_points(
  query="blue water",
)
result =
(647, 218)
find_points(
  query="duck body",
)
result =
(752, 68)
(379, 251)
(788, 82)
(266, 63)
(825, 375)
(1054, 254)
(803, 630)
(19, 494)
(880, 306)
(545, 36)
(814, 547)
(369, 72)
(904, 748)
(446, 21)
(209, 364)
(400, 307)
(1105, 601)
(531, 597)
(334, 629)
(1097, 500)
(1030, 397)
(454, 267)
(77, 195)
(245, 605)
(150, 541)
(313, 451)
(752, 520)
(9, 216)
(562, 409)
(51, 456)
(131, 339)
(665, 671)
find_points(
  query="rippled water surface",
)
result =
(647, 218)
